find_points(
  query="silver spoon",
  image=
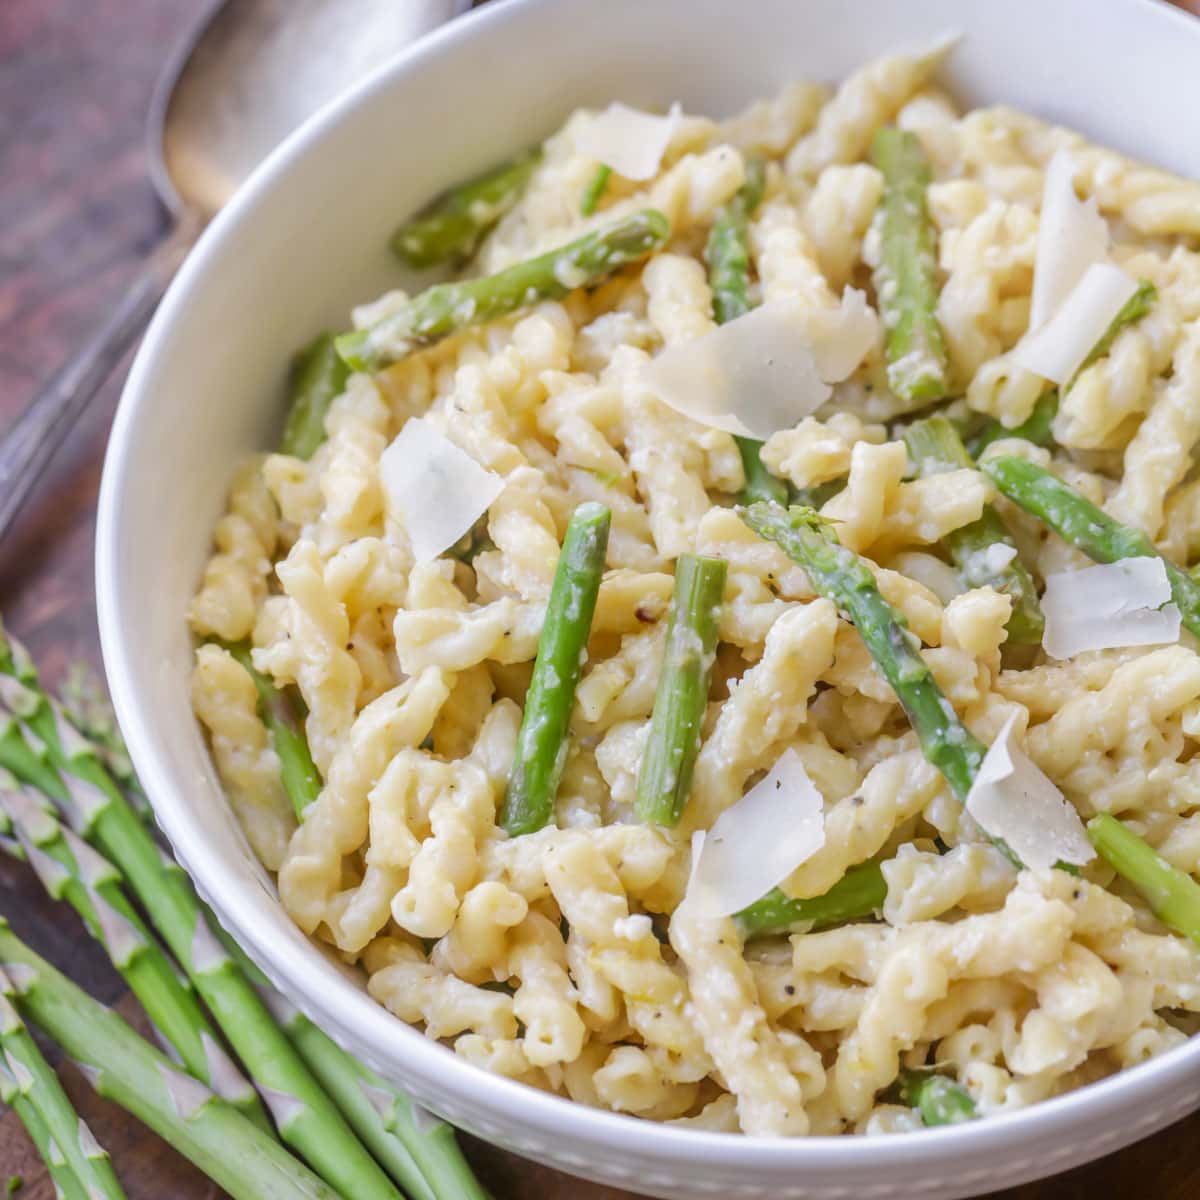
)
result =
(246, 75)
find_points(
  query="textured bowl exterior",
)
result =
(305, 238)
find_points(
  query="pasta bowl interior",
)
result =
(894, 293)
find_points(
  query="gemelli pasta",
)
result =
(552, 647)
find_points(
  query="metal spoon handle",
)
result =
(32, 440)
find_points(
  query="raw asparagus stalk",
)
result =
(934, 445)
(122, 1067)
(562, 649)
(939, 1099)
(285, 722)
(859, 893)
(595, 189)
(1173, 896)
(451, 228)
(66, 1183)
(728, 258)
(665, 776)
(87, 706)
(305, 1117)
(411, 1144)
(1088, 528)
(446, 308)
(71, 870)
(37, 1083)
(318, 378)
(906, 278)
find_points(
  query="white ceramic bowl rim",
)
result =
(1132, 1091)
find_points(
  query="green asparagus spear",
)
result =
(939, 1100)
(284, 719)
(934, 445)
(859, 893)
(37, 1083)
(728, 252)
(842, 577)
(304, 1115)
(562, 649)
(89, 709)
(728, 258)
(1132, 311)
(906, 278)
(232, 1152)
(1037, 428)
(71, 870)
(446, 308)
(1077, 520)
(451, 228)
(595, 189)
(318, 378)
(1173, 896)
(66, 1183)
(665, 776)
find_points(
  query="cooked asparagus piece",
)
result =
(1173, 896)
(934, 445)
(66, 1184)
(665, 776)
(318, 378)
(728, 258)
(1132, 311)
(305, 1117)
(1088, 528)
(842, 577)
(595, 189)
(446, 308)
(38, 1086)
(451, 228)
(284, 719)
(122, 1067)
(906, 277)
(1038, 426)
(859, 893)
(728, 251)
(939, 1099)
(562, 650)
(71, 870)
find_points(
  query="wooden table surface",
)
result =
(76, 215)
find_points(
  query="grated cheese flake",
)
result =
(434, 489)
(758, 842)
(767, 370)
(1012, 799)
(1072, 236)
(630, 141)
(1126, 603)
(1056, 350)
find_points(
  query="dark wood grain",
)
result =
(76, 216)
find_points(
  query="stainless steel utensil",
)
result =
(247, 74)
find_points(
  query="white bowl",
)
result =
(306, 238)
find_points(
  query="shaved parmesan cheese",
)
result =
(1072, 236)
(630, 141)
(1056, 351)
(767, 370)
(1124, 603)
(758, 842)
(434, 489)
(1011, 799)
